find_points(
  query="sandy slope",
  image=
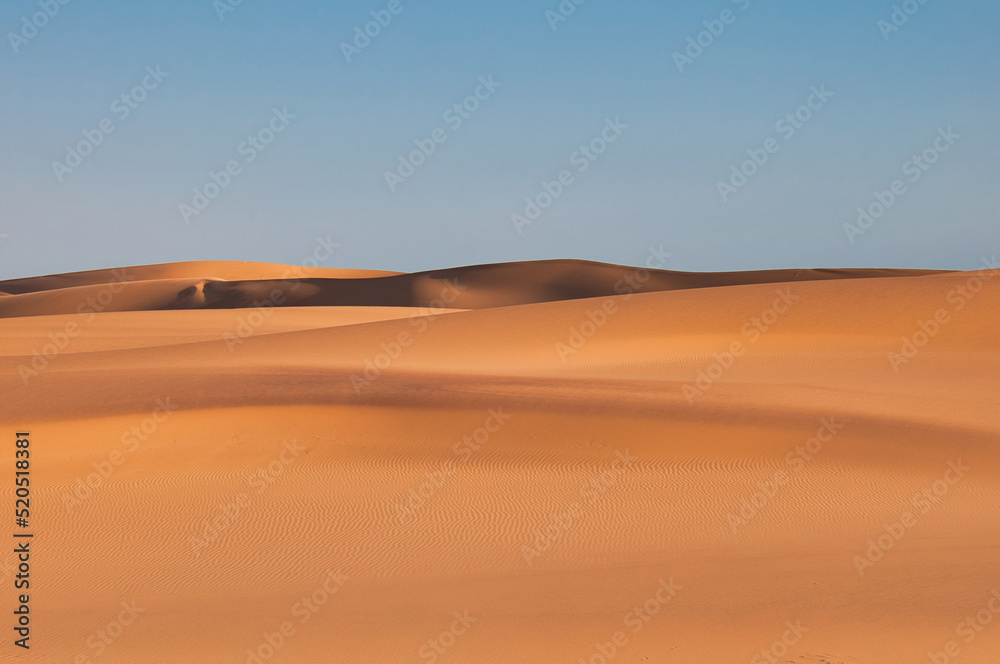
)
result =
(574, 478)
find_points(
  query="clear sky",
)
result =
(100, 159)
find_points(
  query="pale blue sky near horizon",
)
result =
(324, 173)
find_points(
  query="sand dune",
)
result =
(793, 465)
(219, 270)
(221, 285)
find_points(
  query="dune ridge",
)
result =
(189, 286)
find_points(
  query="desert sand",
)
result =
(555, 461)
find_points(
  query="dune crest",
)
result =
(476, 287)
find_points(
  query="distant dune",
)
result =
(552, 461)
(219, 270)
(224, 285)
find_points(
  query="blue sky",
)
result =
(343, 125)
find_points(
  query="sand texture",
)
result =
(554, 461)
